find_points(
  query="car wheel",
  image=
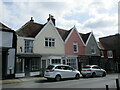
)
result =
(77, 76)
(104, 74)
(58, 78)
(93, 74)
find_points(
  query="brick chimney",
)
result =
(51, 18)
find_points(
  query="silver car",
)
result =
(92, 71)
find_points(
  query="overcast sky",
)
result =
(99, 16)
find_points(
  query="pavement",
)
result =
(18, 80)
(9, 81)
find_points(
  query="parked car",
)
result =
(60, 71)
(92, 70)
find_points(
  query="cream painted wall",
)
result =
(48, 31)
(20, 43)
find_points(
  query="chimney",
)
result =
(31, 20)
(51, 18)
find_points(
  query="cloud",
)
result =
(97, 15)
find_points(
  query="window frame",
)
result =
(76, 47)
(93, 48)
(108, 54)
(28, 46)
(49, 42)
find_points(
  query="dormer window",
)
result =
(110, 54)
(93, 50)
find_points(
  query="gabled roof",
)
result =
(4, 27)
(110, 42)
(85, 36)
(100, 46)
(30, 29)
(63, 33)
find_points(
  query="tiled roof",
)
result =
(100, 46)
(110, 42)
(64, 33)
(4, 27)
(30, 29)
(85, 36)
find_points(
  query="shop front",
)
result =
(27, 65)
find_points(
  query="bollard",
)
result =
(107, 87)
(117, 84)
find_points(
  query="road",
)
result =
(98, 82)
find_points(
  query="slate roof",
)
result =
(85, 36)
(110, 42)
(4, 27)
(64, 33)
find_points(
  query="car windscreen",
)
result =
(50, 67)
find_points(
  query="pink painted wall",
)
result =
(69, 45)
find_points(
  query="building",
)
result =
(38, 46)
(7, 51)
(92, 52)
(110, 52)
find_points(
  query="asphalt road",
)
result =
(98, 82)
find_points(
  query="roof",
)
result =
(30, 29)
(64, 33)
(4, 27)
(100, 46)
(110, 42)
(85, 36)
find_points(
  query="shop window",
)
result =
(19, 65)
(71, 62)
(34, 64)
(56, 61)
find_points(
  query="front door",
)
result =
(27, 67)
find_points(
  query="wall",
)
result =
(50, 32)
(69, 45)
(6, 40)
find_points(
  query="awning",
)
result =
(29, 55)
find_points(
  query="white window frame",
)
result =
(49, 40)
(108, 54)
(102, 53)
(30, 46)
(93, 48)
(76, 45)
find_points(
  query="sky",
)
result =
(97, 16)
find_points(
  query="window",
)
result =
(93, 50)
(34, 64)
(75, 47)
(56, 61)
(19, 65)
(49, 42)
(71, 62)
(28, 46)
(110, 54)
